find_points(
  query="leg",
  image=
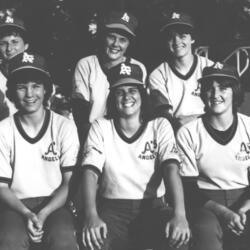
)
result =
(60, 232)
(207, 231)
(13, 231)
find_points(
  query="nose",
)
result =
(176, 38)
(29, 91)
(116, 42)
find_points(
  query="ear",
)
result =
(192, 41)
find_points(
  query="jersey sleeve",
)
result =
(69, 146)
(157, 83)
(81, 88)
(5, 159)
(167, 143)
(93, 152)
(187, 152)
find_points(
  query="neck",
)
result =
(108, 64)
(221, 122)
(184, 63)
(33, 120)
(129, 125)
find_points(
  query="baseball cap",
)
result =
(27, 61)
(121, 20)
(14, 22)
(180, 19)
(219, 70)
(125, 73)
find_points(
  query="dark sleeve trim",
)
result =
(5, 180)
(93, 168)
(171, 161)
(67, 169)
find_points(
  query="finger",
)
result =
(104, 231)
(181, 240)
(84, 239)
(243, 218)
(99, 235)
(167, 230)
(88, 240)
(94, 239)
(174, 239)
(188, 236)
(238, 225)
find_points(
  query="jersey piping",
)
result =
(132, 138)
(41, 132)
(189, 73)
(213, 133)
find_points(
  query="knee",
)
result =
(62, 239)
(14, 240)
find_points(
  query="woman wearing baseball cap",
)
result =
(174, 86)
(216, 159)
(132, 159)
(38, 152)
(90, 84)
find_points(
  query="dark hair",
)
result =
(180, 29)
(146, 107)
(23, 77)
(238, 95)
(13, 31)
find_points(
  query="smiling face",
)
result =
(12, 45)
(219, 97)
(115, 46)
(128, 101)
(30, 97)
(180, 44)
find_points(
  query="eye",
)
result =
(133, 91)
(20, 87)
(118, 93)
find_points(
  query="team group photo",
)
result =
(125, 125)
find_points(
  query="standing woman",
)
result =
(90, 84)
(130, 158)
(215, 151)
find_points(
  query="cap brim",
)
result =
(120, 26)
(125, 81)
(20, 69)
(169, 25)
(4, 25)
(217, 75)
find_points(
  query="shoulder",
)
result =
(191, 128)
(7, 126)
(87, 61)
(159, 71)
(61, 122)
(204, 61)
(160, 123)
(244, 118)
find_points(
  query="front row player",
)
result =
(215, 150)
(38, 150)
(130, 157)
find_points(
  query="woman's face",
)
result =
(128, 101)
(180, 44)
(219, 97)
(115, 46)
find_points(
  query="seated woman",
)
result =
(131, 157)
(38, 151)
(215, 150)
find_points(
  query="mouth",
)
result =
(128, 104)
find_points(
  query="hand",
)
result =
(177, 230)
(94, 232)
(235, 222)
(34, 227)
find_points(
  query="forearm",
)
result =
(174, 186)
(89, 191)
(57, 200)
(245, 206)
(11, 200)
(216, 208)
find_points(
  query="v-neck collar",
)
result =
(40, 134)
(189, 73)
(132, 138)
(215, 134)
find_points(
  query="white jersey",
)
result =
(33, 166)
(6, 106)
(91, 84)
(217, 166)
(130, 167)
(181, 92)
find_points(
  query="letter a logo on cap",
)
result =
(125, 70)
(125, 17)
(28, 58)
(9, 20)
(175, 16)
